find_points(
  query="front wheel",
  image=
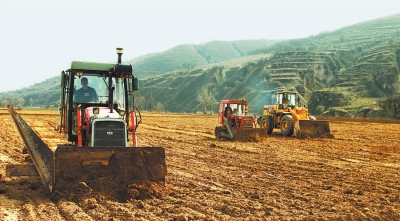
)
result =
(267, 123)
(287, 125)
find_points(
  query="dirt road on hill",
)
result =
(354, 176)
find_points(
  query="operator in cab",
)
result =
(86, 94)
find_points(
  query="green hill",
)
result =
(336, 73)
(343, 72)
(194, 56)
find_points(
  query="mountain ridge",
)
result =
(335, 73)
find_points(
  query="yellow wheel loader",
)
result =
(100, 121)
(287, 115)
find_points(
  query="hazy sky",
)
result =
(39, 39)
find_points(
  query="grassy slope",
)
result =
(350, 67)
(198, 55)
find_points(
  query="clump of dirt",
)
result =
(109, 189)
(144, 189)
(304, 135)
(250, 135)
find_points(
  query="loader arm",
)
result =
(305, 127)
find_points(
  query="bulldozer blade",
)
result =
(229, 128)
(313, 129)
(250, 134)
(42, 156)
(102, 168)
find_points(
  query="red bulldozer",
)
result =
(236, 123)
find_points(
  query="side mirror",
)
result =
(62, 79)
(135, 84)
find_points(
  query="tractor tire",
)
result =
(267, 123)
(287, 125)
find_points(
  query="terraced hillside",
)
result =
(353, 39)
(194, 55)
(343, 72)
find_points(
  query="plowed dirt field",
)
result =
(354, 176)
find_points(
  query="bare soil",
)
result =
(353, 176)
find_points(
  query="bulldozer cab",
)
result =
(97, 91)
(231, 107)
(94, 88)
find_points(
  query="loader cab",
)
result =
(286, 99)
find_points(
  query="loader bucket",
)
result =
(313, 129)
(250, 134)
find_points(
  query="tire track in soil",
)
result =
(71, 211)
(283, 179)
(309, 172)
(238, 208)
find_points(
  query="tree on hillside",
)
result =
(16, 102)
(311, 77)
(19, 102)
(4, 103)
(30, 102)
(205, 97)
(150, 102)
(138, 99)
(390, 106)
(188, 66)
(140, 102)
(160, 107)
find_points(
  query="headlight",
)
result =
(121, 113)
(96, 110)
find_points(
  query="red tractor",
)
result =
(98, 117)
(236, 123)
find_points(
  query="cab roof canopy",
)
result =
(234, 102)
(121, 70)
(93, 66)
(286, 92)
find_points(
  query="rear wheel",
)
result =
(287, 125)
